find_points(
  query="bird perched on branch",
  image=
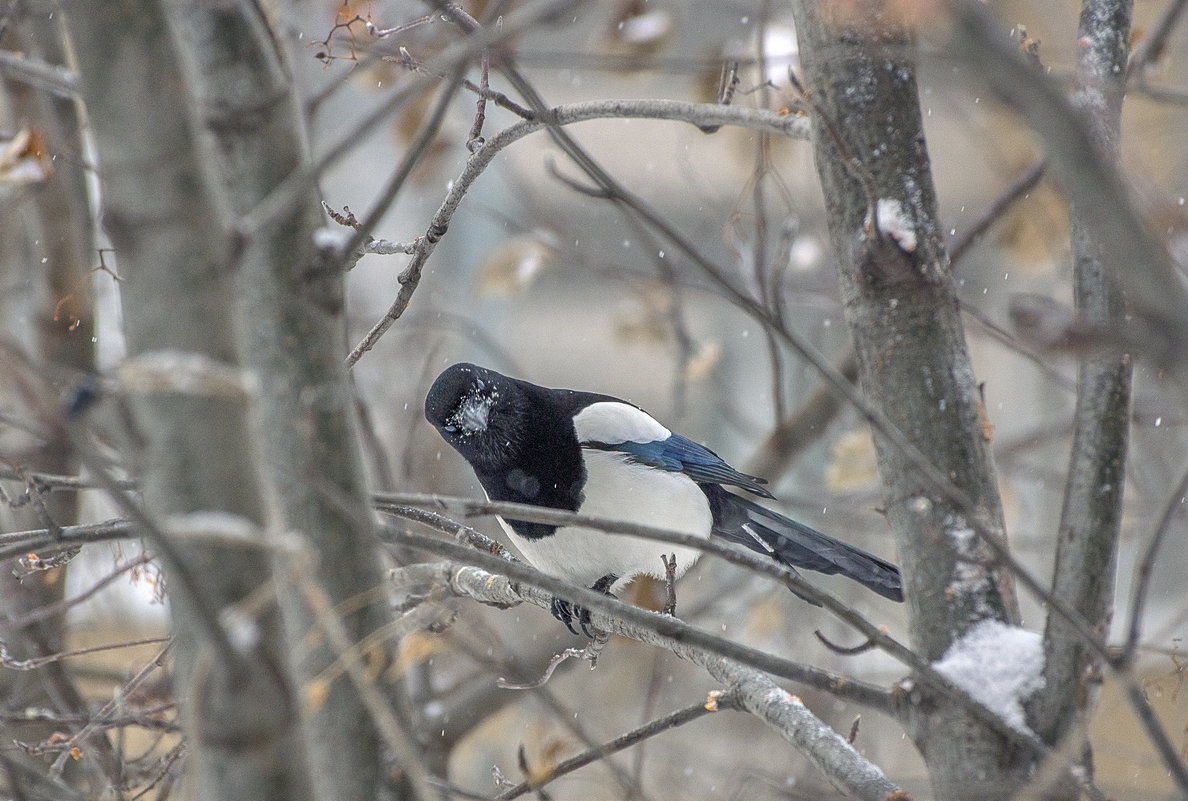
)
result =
(604, 457)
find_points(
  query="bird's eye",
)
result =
(449, 427)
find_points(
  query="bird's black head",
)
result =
(480, 413)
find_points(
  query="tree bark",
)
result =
(1086, 549)
(901, 306)
(187, 404)
(290, 310)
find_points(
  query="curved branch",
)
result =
(661, 625)
(640, 624)
(756, 692)
(637, 735)
(698, 114)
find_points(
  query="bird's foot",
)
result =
(569, 613)
(670, 567)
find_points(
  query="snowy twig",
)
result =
(663, 630)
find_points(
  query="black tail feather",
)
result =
(797, 546)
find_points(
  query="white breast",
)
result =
(621, 490)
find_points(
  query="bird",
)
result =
(606, 457)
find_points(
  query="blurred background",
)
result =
(541, 281)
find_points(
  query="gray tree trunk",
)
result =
(290, 310)
(1086, 548)
(48, 249)
(902, 309)
(188, 405)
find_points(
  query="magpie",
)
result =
(602, 456)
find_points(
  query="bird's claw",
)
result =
(569, 613)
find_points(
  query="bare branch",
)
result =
(1018, 189)
(1144, 569)
(1140, 265)
(648, 626)
(679, 718)
(663, 630)
(1151, 48)
(49, 77)
(699, 114)
(756, 693)
(33, 664)
(299, 184)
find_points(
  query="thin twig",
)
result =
(66, 604)
(589, 653)
(623, 741)
(32, 664)
(842, 650)
(692, 113)
(1145, 569)
(295, 188)
(1150, 49)
(1017, 190)
(105, 712)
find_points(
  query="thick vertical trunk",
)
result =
(290, 312)
(901, 305)
(188, 404)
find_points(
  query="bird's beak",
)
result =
(473, 415)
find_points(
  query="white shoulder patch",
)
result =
(612, 423)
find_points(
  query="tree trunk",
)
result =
(902, 309)
(188, 405)
(1086, 549)
(56, 237)
(290, 310)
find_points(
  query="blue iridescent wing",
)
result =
(679, 454)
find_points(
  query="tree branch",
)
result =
(1132, 258)
(660, 629)
(637, 735)
(756, 693)
(38, 74)
(699, 114)
(1086, 547)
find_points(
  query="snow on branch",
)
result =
(999, 665)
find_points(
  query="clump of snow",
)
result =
(892, 219)
(332, 238)
(1000, 666)
(961, 533)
